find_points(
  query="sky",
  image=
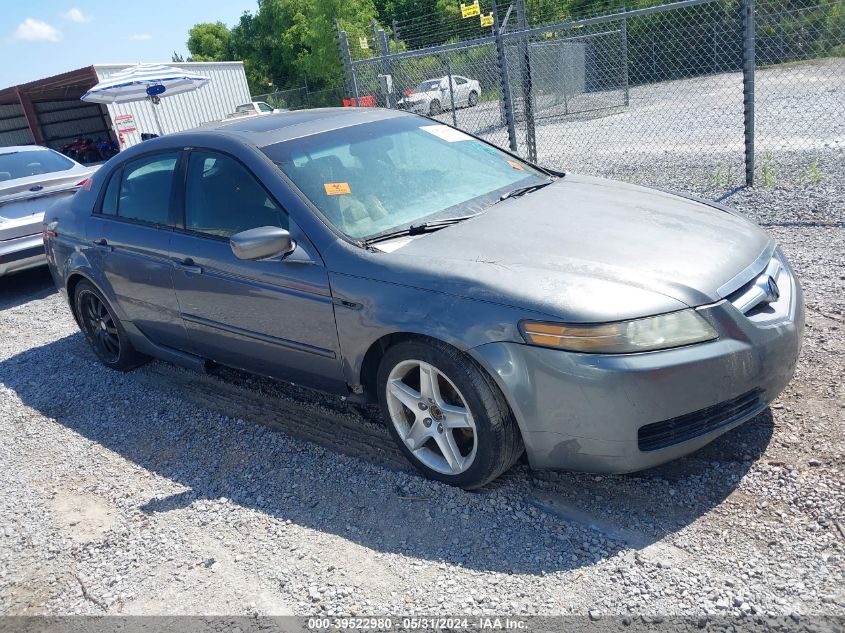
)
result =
(39, 38)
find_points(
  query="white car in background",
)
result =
(432, 96)
(32, 178)
(254, 108)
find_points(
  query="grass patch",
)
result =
(767, 171)
(814, 174)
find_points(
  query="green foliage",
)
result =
(767, 171)
(814, 174)
(285, 43)
(210, 42)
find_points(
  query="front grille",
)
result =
(652, 437)
(754, 300)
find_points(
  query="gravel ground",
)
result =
(167, 492)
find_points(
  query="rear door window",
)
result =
(145, 189)
(110, 198)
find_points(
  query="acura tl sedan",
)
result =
(490, 307)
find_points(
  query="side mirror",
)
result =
(262, 242)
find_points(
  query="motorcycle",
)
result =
(107, 149)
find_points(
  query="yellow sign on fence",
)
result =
(363, 43)
(470, 10)
(487, 20)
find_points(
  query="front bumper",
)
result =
(586, 412)
(21, 253)
(414, 106)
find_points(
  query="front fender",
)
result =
(367, 310)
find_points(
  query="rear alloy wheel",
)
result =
(104, 330)
(446, 414)
(434, 108)
(473, 98)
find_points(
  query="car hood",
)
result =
(585, 249)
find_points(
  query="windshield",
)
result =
(431, 84)
(246, 107)
(378, 177)
(24, 164)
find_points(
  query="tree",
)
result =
(285, 43)
(210, 42)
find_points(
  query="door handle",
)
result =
(187, 265)
(103, 245)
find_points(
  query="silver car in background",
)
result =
(432, 96)
(32, 178)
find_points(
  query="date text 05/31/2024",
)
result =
(416, 623)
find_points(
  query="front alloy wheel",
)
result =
(446, 413)
(431, 416)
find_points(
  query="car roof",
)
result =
(283, 126)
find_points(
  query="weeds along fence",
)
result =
(726, 90)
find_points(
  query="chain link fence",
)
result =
(300, 98)
(714, 91)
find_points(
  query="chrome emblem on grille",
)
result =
(772, 290)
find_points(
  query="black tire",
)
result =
(104, 331)
(499, 443)
(434, 107)
(473, 99)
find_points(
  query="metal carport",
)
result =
(48, 111)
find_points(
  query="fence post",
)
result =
(347, 55)
(451, 89)
(525, 72)
(388, 63)
(503, 79)
(344, 70)
(748, 68)
(396, 34)
(625, 55)
(374, 27)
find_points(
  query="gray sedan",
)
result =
(32, 178)
(491, 307)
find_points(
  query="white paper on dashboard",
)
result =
(446, 133)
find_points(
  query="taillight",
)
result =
(87, 183)
(48, 231)
(407, 93)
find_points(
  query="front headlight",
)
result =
(622, 337)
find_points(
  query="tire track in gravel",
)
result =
(310, 421)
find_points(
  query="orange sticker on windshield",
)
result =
(336, 188)
(516, 165)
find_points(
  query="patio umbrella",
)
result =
(145, 82)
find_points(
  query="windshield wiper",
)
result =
(416, 229)
(515, 193)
